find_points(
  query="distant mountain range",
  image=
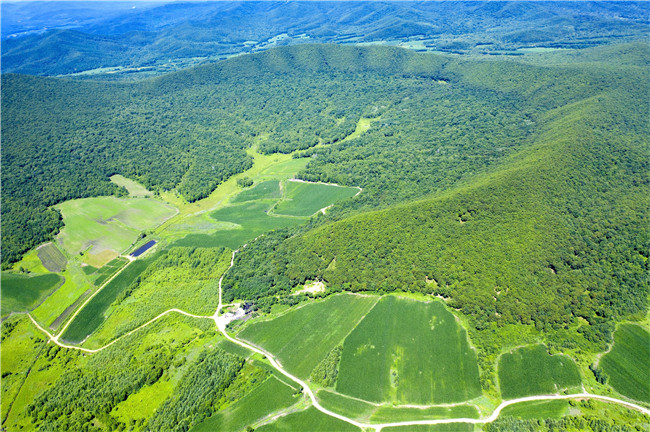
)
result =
(61, 38)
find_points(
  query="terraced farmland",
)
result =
(531, 370)
(302, 338)
(420, 355)
(627, 363)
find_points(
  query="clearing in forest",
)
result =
(135, 189)
(531, 370)
(95, 225)
(418, 352)
(305, 199)
(627, 363)
(300, 339)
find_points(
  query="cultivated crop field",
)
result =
(302, 338)
(51, 257)
(269, 189)
(102, 224)
(420, 355)
(387, 414)
(531, 370)
(627, 363)
(109, 269)
(21, 293)
(270, 396)
(309, 420)
(305, 199)
(537, 409)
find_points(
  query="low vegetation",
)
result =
(308, 420)
(305, 199)
(51, 257)
(531, 370)
(22, 292)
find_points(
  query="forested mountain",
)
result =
(156, 38)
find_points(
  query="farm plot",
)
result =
(93, 315)
(395, 414)
(531, 370)
(418, 352)
(536, 409)
(51, 257)
(309, 420)
(103, 227)
(353, 408)
(270, 396)
(109, 270)
(21, 293)
(451, 427)
(627, 363)
(183, 278)
(302, 338)
(305, 199)
(269, 189)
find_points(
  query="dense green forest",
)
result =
(553, 232)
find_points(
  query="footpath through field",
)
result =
(222, 321)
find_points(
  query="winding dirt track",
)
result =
(221, 322)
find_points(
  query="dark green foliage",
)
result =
(244, 182)
(20, 292)
(327, 370)
(197, 392)
(82, 396)
(584, 423)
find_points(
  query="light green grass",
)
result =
(305, 199)
(76, 283)
(310, 420)
(21, 292)
(108, 223)
(536, 409)
(451, 427)
(269, 189)
(31, 262)
(142, 404)
(109, 270)
(418, 352)
(394, 414)
(270, 396)
(135, 189)
(531, 370)
(627, 363)
(51, 257)
(301, 338)
(356, 409)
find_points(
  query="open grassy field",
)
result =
(537, 409)
(451, 427)
(135, 189)
(93, 315)
(21, 292)
(270, 396)
(109, 269)
(31, 262)
(269, 189)
(341, 404)
(305, 199)
(57, 306)
(96, 225)
(309, 420)
(395, 414)
(183, 278)
(627, 363)
(302, 338)
(420, 355)
(21, 343)
(141, 405)
(531, 370)
(51, 257)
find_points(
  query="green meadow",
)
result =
(387, 414)
(627, 363)
(135, 189)
(531, 370)
(536, 409)
(269, 189)
(310, 420)
(300, 339)
(418, 352)
(451, 427)
(353, 408)
(305, 199)
(21, 292)
(270, 396)
(51, 257)
(97, 225)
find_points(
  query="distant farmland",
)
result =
(627, 363)
(21, 292)
(531, 370)
(51, 257)
(418, 352)
(305, 199)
